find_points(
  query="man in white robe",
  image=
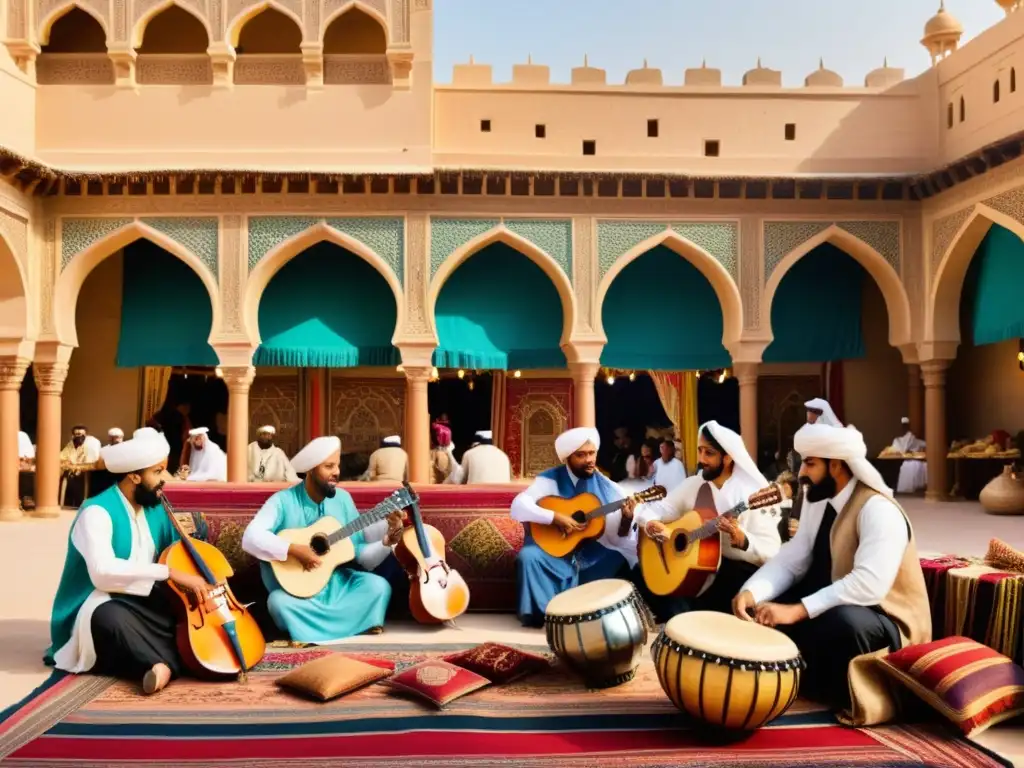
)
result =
(820, 412)
(267, 462)
(206, 461)
(82, 450)
(483, 463)
(748, 541)
(115, 435)
(669, 471)
(389, 463)
(913, 472)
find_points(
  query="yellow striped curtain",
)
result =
(678, 394)
(155, 380)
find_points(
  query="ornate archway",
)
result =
(14, 305)
(139, 30)
(46, 24)
(234, 27)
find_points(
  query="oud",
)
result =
(584, 508)
(332, 543)
(692, 553)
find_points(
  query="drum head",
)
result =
(722, 634)
(587, 598)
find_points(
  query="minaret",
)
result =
(942, 34)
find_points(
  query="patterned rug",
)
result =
(549, 719)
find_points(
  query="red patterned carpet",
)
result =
(545, 720)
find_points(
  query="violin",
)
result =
(216, 635)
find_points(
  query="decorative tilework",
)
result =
(448, 235)
(720, 239)
(617, 238)
(553, 236)
(200, 236)
(782, 237)
(384, 236)
(883, 236)
(1010, 203)
(78, 234)
(268, 232)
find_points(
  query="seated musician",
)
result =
(850, 582)
(111, 614)
(748, 540)
(541, 576)
(353, 601)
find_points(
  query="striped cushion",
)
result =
(969, 683)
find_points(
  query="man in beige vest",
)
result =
(483, 463)
(389, 463)
(849, 586)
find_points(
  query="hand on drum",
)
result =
(567, 524)
(743, 606)
(656, 531)
(777, 615)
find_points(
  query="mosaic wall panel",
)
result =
(1010, 203)
(536, 412)
(363, 411)
(198, 235)
(78, 234)
(553, 236)
(782, 237)
(278, 400)
(617, 238)
(448, 235)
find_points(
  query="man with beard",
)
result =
(205, 461)
(541, 576)
(748, 540)
(353, 601)
(111, 614)
(267, 462)
(81, 450)
(849, 584)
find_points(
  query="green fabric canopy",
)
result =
(661, 313)
(499, 310)
(166, 315)
(993, 292)
(816, 312)
(327, 308)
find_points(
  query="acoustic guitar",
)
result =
(437, 592)
(332, 543)
(584, 508)
(682, 565)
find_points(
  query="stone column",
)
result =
(239, 380)
(50, 379)
(915, 400)
(417, 422)
(746, 373)
(585, 411)
(934, 373)
(12, 371)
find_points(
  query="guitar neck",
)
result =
(607, 509)
(365, 520)
(710, 528)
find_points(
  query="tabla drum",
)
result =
(729, 673)
(600, 630)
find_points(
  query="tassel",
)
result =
(243, 677)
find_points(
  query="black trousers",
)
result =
(132, 634)
(731, 576)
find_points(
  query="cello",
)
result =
(216, 636)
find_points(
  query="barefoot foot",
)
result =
(156, 679)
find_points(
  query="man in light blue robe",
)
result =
(353, 601)
(541, 576)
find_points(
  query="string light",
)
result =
(219, 372)
(721, 379)
(611, 379)
(434, 374)
(471, 385)
(400, 368)
(517, 374)
(462, 373)
(632, 375)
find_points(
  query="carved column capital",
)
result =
(584, 371)
(222, 58)
(50, 377)
(12, 372)
(934, 373)
(24, 54)
(123, 57)
(418, 374)
(238, 378)
(313, 64)
(746, 373)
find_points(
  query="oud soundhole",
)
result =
(579, 516)
(320, 545)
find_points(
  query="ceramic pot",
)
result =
(1004, 495)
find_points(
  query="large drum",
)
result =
(730, 673)
(600, 629)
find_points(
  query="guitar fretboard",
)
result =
(710, 528)
(391, 504)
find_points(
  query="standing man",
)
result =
(353, 601)
(483, 463)
(541, 576)
(389, 462)
(267, 462)
(849, 583)
(206, 461)
(669, 471)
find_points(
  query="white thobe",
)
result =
(207, 463)
(92, 535)
(526, 510)
(760, 526)
(883, 538)
(482, 464)
(669, 474)
(276, 467)
(913, 472)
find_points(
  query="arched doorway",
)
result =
(74, 50)
(355, 39)
(266, 38)
(172, 47)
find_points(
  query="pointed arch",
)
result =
(373, 13)
(46, 25)
(501, 234)
(721, 281)
(69, 284)
(942, 318)
(276, 258)
(139, 30)
(886, 278)
(14, 295)
(235, 25)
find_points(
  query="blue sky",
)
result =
(853, 36)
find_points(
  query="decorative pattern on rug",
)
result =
(548, 719)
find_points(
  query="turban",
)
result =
(198, 431)
(846, 443)
(905, 420)
(267, 428)
(136, 454)
(392, 440)
(827, 415)
(569, 442)
(316, 453)
(734, 447)
(485, 434)
(442, 434)
(146, 433)
(115, 432)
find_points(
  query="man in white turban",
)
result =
(541, 576)
(206, 460)
(115, 435)
(267, 462)
(483, 463)
(913, 472)
(850, 582)
(389, 463)
(111, 614)
(353, 601)
(820, 412)
(726, 476)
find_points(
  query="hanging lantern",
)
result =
(462, 373)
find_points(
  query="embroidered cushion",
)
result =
(498, 663)
(331, 676)
(970, 684)
(437, 681)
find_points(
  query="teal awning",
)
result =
(327, 308)
(816, 312)
(661, 314)
(499, 310)
(993, 294)
(166, 315)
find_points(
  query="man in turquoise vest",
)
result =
(111, 614)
